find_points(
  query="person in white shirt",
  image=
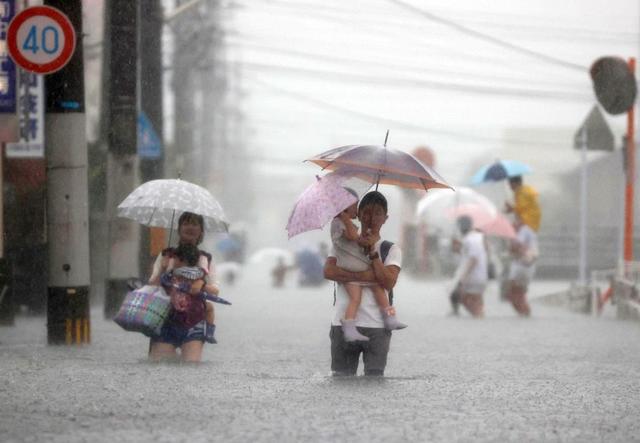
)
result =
(471, 276)
(369, 320)
(524, 250)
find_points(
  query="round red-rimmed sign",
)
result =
(41, 39)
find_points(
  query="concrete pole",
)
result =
(151, 74)
(120, 133)
(67, 195)
(183, 86)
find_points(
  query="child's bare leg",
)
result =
(355, 297)
(211, 313)
(388, 312)
(349, 323)
(210, 327)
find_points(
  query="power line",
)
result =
(416, 82)
(387, 122)
(342, 61)
(382, 21)
(489, 38)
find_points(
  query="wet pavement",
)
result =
(558, 376)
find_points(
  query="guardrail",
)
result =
(620, 287)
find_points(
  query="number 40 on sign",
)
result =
(41, 39)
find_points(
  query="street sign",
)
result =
(41, 39)
(599, 136)
(149, 144)
(7, 66)
(31, 115)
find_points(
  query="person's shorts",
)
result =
(473, 288)
(178, 336)
(521, 274)
(345, 356)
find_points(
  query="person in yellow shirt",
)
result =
(526, 205)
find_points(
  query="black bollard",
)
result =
(7, 306)
(68, 321)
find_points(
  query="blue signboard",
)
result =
(149, 144)
(7, 66)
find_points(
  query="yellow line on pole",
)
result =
(85, 323)
(78, 331)
(67, 331)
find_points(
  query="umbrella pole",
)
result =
(386, 137)
(173, 216)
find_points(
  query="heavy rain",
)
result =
(386, 220)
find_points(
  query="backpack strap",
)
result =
(385, 247)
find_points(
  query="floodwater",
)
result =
(559, 376)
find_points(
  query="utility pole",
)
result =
(8, 133)
(67, 194)
(151, 74)
(119, 129)
(182, 81)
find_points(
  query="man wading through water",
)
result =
(386, 261)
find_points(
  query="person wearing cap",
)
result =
(526, 204)
(386, 261)
(471, 276)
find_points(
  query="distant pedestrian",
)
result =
(279, 273)
(470, 278)
(386, 260)
(524, 250)
(526, 205)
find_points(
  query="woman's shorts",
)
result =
(178, 336)
(521, 274)
(473, 287)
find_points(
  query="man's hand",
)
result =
(335, 273)
(508, 207)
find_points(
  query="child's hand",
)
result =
(344, 216)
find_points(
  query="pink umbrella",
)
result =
(491, 224)
(500, 226)
(319, 203)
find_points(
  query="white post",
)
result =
(583, 210)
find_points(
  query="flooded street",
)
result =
(558, 376)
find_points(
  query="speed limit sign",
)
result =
(41, 39)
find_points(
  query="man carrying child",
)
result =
(386, 261)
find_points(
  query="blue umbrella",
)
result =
(499, 170)
(228, 244)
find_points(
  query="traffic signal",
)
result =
(614, 84)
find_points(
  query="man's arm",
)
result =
(333, 272)
(385, 276)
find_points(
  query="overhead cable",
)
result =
(489, 38)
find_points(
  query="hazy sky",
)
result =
(319, 74)
(474, 80)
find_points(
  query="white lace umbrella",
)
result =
(160, 203)
(434, 209)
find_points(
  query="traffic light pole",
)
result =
(631, 176)
(68, 319)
